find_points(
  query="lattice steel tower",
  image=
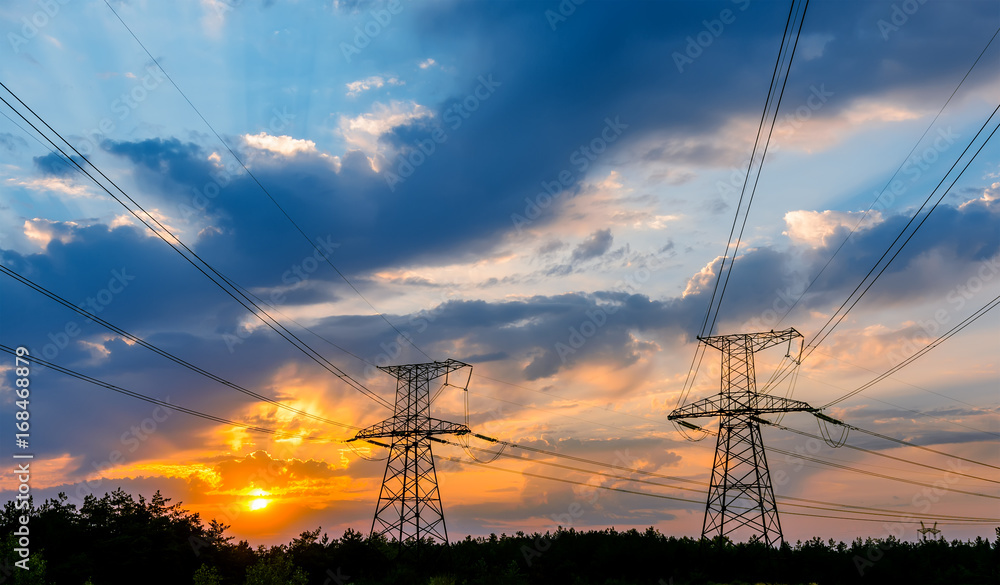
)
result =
(409, 503)
(740, 493)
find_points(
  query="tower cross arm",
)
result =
(390, 428)
(443, 427)
(754, 341)
(431, 370)
(379, 429)
(720, 405)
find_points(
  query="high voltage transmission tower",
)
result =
(740, 492)
(409, 503)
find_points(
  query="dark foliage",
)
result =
(116, 539)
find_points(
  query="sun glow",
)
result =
(258, 503)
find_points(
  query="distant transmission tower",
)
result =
(924, 531)
(740, 493)
(409, 503)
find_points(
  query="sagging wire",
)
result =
(699, 355)
(823, 422)
(464, 388)
(463, 440)
(679, 425)
(795, 373)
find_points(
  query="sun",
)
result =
(258, 503)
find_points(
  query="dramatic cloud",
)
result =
(259, 469)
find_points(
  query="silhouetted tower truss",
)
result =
(924, 531)
(409, 503)
(740, 493)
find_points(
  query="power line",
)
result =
(863, 471)
(910, 236)
(877, 511)
(772, 86)
(882, 511)
(944, 337)
(889, 182)
(591, 461)
(38, 288)
(232, 291)
(919, 413)
(823, 332)
(921, 447)
(666, 497)
(921, 388)
(760, 167)
(879, 475)
(168, 405)
(674, 478)
(873, 433)
(307, 329)
(633, 470)
(784, 371)
(569, 481)
(870, 452)
(571, 468)
(262, 188)
(900, 407)
(753, 153)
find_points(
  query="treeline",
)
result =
(117, 539)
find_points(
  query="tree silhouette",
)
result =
(117, 539)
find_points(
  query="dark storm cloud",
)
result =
(557, 92)
(179, 170)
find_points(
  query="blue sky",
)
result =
(420, 142)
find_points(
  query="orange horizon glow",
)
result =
(269, 490)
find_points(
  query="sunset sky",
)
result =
(417, 143)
